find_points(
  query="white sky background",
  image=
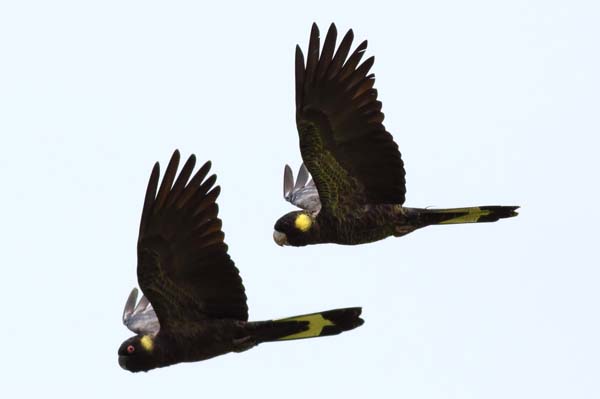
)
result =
(490, 104)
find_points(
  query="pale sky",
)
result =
(490, 104)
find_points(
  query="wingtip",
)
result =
(299, 58)
(212, 179)
(130, 304)
(175, 158)
(314, 31)
(216, 191)
(288, 180)
(362, 46)
(332, 28)
(301, 177)
(287, 171)
(349, 35)
(174, 161)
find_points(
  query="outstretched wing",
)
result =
(303, 193)
(183, 265)
(141, 317)
(343, 142)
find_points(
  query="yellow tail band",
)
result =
(316, 323)
(472, 215)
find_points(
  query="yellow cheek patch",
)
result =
(303, 222)
(147, 343)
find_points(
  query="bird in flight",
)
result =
(358, 187)
(194, 303)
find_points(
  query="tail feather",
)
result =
(479, 214)
(331, 322)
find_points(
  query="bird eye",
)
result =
(130, 349)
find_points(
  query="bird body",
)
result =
(375, 222)
(202, 340)
(358, 192)
(194, 304)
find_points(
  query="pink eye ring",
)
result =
(130, 349)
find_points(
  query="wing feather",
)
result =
(140, 318)
(288, 181)
(192, 186)
(303, 193)
(183, 266)
(302, 177)
(341, 54)
(328, 49)
(182, 179)
(312, 59)
(167, 182)
(352, 158)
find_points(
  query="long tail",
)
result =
(478, 214)
(331, 322)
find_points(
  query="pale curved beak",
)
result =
(280, 238)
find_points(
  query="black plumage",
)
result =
(192, 284)
(356, 165)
